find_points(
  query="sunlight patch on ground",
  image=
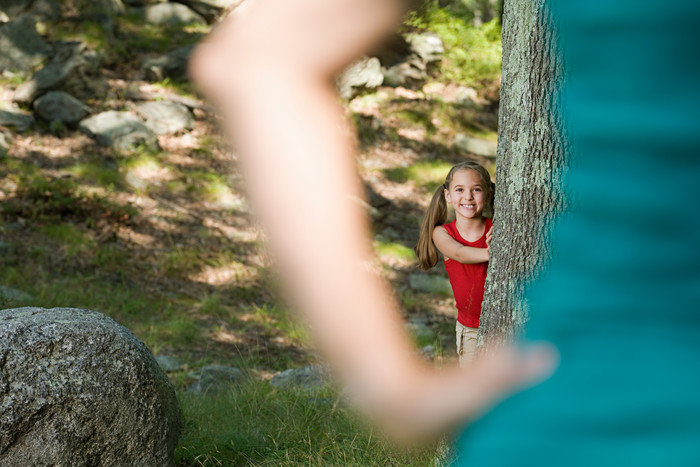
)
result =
(222, 275)
(172, 143)
(231, 232)
(148, 171)
(415, 134)
(226, 337)
(131, 236)
(49, 146)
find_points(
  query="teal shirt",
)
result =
(621, 296)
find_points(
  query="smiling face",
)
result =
(466, 194)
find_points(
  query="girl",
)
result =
(464, 243)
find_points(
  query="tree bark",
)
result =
(532, 154)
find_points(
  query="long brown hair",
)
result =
(436, 213)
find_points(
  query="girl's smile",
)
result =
(466, 194)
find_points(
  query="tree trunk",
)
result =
(532, 154)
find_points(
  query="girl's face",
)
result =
(466, 194)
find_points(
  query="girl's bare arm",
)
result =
(452, 249)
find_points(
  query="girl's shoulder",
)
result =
(451, 228)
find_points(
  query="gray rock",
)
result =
(428, 46)
(361, 75)
(69, 70)
(122, 131)
(172, 13)
(172, 65)
(21, 121)
(307, 378)
(13, 8)
(430, 283)
(166, 117)
(410, 73)
(214, 379)
(41, 9)
(211, 9)
(168, 363)
(62, 107)
(77, 388)
(22, 47)
(476, 146)
(8, 294)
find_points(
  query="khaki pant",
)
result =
(466, 344)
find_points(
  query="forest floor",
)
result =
(164, 242)
(168, 243)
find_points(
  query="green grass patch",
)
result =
(425, 174)
(259, 425)
(278, 320)
(394, 250)
(69, 236)
(97, 174)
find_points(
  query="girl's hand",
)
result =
(489, 236)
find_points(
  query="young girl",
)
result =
(464, 243)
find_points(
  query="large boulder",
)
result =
(78, 389)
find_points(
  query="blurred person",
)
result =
(620, 299)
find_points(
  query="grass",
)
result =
(262, 426)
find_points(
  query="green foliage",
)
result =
(259, 425)
(472, 54)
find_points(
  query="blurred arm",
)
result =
(271, 72)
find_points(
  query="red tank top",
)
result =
(467, 280)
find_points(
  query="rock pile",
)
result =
(69, 74)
